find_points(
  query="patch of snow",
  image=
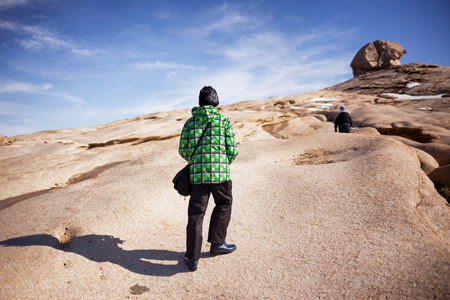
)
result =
(323, 99)
(315, 109)
(324, 105)
(412, 84)
(408, 97)
(424, 108)
(297, 107)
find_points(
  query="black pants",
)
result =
(344, 127)
(220, 217)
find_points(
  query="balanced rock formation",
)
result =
(377, 55)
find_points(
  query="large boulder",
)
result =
(441, 176)
(377, 55)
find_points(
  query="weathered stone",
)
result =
(367, 131)
(441, 176)
(377, 55)
(427, 162)
(431, 79)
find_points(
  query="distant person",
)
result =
(209, 173)
(343, 120)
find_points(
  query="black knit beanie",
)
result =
(208, 96)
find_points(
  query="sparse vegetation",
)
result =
(415, 134)
(138, 289)
(312, 157)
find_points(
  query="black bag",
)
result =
(181, 181)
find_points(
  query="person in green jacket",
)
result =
(209, 174)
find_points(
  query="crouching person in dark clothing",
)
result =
(343, 121)
(209, 174)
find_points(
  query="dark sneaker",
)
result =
(191, 263)
(217, 249)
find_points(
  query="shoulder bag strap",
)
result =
(199, 141)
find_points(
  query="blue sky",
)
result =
(66, 64)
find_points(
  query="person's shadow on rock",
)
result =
(105, 248)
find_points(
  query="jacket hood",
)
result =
(205, 113)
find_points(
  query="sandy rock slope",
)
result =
(91, 213)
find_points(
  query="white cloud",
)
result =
(47, 90)
(165, 13)
(228, 24)
(261, 48)
(37, 38)
(7, 4)
(224, 19)
(12, 109)
(42, 38)
(11, 4)
(172, 74)
(80, 103)
(23, 87)
(269, 63)
(9, 26)
(158, 65)
(91, 113)
(87, 52)
(21, 121)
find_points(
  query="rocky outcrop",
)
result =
(415, 79)
(377, 55)
(4, 140)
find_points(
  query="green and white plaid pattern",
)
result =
(211, 162)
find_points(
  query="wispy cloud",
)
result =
(21, 118)
(254, 66)
(223, 19)
(165, 13)
(267, 63)
(37, 38)
(9, 26)
(7, 4)
(11, 4)
(260, 61)
(158, 65)
(12, 109)
(41, 38)
(23, 87)
(47, 90)
(228, 23)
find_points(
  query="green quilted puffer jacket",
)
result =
(211, 162)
